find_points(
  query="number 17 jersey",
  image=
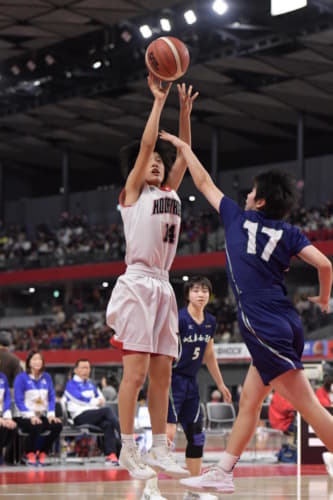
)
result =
(151, 227)
(258, 249)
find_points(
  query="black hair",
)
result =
(81, 360)
(279, 191)
(196, 280)
(27, 361)
(328, 381)
(128, 155)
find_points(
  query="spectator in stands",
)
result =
(86, 405)
(216, 396)
(7, 424)
(109, 388)
(325, 392)
(9, 363)
(35, 403)
(281, 414)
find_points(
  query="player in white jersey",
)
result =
(142, 310)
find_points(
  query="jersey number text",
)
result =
(170, 233)
(273, 234)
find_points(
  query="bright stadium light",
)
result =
(165, 24)
(220, 7)
(146, 31)
(190, 17)
(279, 7)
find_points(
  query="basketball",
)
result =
(167, 58)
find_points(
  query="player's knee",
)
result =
(195, 440)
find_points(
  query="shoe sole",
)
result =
(208, 488)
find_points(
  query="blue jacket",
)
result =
(81, 396)
(5, 397)
(34, 397)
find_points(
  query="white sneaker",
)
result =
(328, 461)
(191, 495)
(215, 477)
(130, 459)
(161, 458)
(152, 494)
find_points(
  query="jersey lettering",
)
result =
(274, 237)
(166, 206)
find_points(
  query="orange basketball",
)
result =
(167, 58)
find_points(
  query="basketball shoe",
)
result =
(161, 458)
(131, 460)
(152, 493)
(191, 495)
(328, 461)
(215, 478)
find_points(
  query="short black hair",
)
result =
(81, 360)
(279, 191)
(128, 155)
(196, 280)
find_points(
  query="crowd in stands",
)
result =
(75, 240)
(89, 331)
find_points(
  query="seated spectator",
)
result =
(86, 405)
(281, 414)
(325, 392)
(216, 396)
(35, 403)
(109, 388)
(9, 363)
(7, 424)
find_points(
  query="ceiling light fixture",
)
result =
(279, 7)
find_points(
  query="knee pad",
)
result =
(195, 436)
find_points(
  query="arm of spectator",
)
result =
(7, 401)
(19, 392)
(51, 397)
(100, 400)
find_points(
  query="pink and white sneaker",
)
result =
(213, 478)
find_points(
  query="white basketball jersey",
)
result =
(151, 227)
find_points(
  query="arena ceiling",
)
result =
(256, 75)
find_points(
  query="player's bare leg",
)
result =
(220, 477)
(134, 376)
(158, 396)
(295, 387)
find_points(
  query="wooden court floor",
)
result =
(274, 482)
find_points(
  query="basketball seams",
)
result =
(175, 53)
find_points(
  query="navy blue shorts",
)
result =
(184, 401)
(272, 331)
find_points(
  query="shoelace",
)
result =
(212, 472)
(167, 458)
(135, 455)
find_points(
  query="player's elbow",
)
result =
(325, 265)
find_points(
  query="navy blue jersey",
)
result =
(258, 249)
(193, 340)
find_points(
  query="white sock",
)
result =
(152, 483)
(128, 439)
(227, 461)
(159, 440)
